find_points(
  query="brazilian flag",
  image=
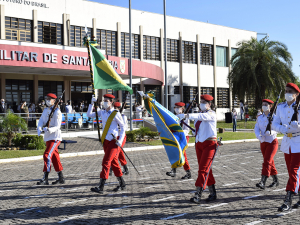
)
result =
(105, 77)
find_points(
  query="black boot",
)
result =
(125, 171)
(262, 183)
(121, 185)
(60, 179)
(44, 181)
(212, 193)
(287, 202)
(110, 171)
(275, 182)
(188, 175)
(172, 173)
(100, 188)
(197, 197)
(297, 205)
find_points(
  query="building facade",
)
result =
(41, 51)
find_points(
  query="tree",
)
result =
(10, 124)
(261, 69)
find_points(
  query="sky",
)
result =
(280, 19)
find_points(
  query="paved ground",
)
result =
(152, 198)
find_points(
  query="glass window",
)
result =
(18, 90)
(221, 56)
(81, 87)
(45, 87)
(151, 48)
(77, 34)
(223, 97)
(189, 52)
(18, 29)
(156, 89)
(50, 33)
(208, 91)
(206, 54)
(125, 45)
(172, 50)
(107, 41)
(235, 102)
(233, 51)
(176, 90)
(189, 93)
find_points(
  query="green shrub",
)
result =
(142, 132)
(253, 112)
(131, 136)
(29, 142)
(3, 140)
(152, 134)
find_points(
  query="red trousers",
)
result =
(268, 151)
(292, 161)
(205, 152)
(122, 158)
(51, 155)
(111, 154)
(186, 166)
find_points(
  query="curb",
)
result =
(100, 152)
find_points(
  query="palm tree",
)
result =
(261, 69)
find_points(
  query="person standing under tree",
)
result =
(241, 109)
(234, 118)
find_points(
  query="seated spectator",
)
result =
(3, 107)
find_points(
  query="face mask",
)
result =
(2, 102)
(265, 108)
(203, 106)
(177, 110)
(25, 104)
(289, 97)
(48, 102)
(106, 105)
(43, 103)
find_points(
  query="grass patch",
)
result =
(20, 153)
(239, 125)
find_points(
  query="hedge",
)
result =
(29, 142)
(141, 134)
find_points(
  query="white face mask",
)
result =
(203, 106)
(43, 103)
(48, 102)
(177, 110)
(2, 102)
(289, 97)
(25, 104)
(106, 105)
(265, 108)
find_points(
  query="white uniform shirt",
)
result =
(260, 128)
(139, 112)
(124, 117)
(54, 132)
(69, 109)
(185, 129)
(284, 115)
(113, 129)
(207, 127)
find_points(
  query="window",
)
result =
(235, 102)
(18, 29)
(251, 101)
(135, 45)
(221, 56)
(188, 52)
(107, 41)
(135, 97)
(77, 34)
(223, 98)
(206, 54)
(151, 47)
(208, 91)
(156, 89)
(176, 90)
(233, 51)
(172, 50)
(189, 93)
(45, 87)
(50, 33)
(18, 90)
(82, 87)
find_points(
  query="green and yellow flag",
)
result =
(105, 77)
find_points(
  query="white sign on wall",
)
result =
(26, 2)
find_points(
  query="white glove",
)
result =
(294, 124)
(283, 129)
(260, 139)
(45, 129)
(268, 133)
(39, 132)
(181, 116)
(118, 143)
(93, 100)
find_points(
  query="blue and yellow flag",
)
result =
(171, 133)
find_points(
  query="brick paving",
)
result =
(152, 198)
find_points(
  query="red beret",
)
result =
(207, 97)
(268, 101)
(181, 104)
(109, 96)
(52, 96)
(117, 104)
(294, 86)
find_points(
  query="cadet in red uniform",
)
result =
(52, 137)
(110, 119)
(290, 142)
(206, 143)
(179, 110)
(268, 145)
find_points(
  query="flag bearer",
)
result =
(290, 142)
(268, 145)
(122, 158)
(206, 144)
(110, 119)
(52, 137)
(179, 110)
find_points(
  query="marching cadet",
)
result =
(290, 142)
(122, 158)
(268, 145)
(52, 137)
(206, 144)
(110, 119)
(179, 110)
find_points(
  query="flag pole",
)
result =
(92, 80)
(130, 63)
(166, 60)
